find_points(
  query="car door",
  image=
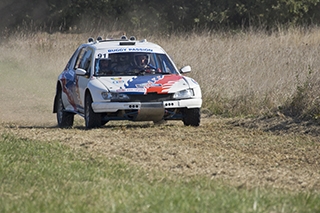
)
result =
(84, 62)
(67, 79)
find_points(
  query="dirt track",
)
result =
(277, 152)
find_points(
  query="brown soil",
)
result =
(275, 152)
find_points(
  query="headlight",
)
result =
(109, 96)
(106, 95)
(184, 94)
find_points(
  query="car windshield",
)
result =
(129, 64)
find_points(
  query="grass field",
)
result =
(228, 164)
(49, 177)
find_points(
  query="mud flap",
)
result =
(150, 112)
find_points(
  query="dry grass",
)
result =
(250, 73)
(240, 74)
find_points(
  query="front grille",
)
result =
(151, 97)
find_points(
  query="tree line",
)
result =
(155, 15)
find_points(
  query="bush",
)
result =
(159, 16)
(305, 102)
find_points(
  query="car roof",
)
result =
(125, 45)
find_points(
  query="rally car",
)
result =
(125, 79)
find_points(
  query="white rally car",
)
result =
(125, 79)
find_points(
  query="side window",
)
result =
(69, 65)
(165, 64)
(153, 60)
(86, 60)
(79, 59)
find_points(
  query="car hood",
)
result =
(145, 84)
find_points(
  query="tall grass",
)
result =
(241, 74)
(255, 72)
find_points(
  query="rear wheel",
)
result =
(65, 119)
(192, 117)
(92, 119)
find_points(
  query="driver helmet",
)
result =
(141, 60)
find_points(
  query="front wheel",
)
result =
(65, 119)
(192, 117)
(92, 119)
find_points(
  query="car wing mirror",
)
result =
(185, 69)
(81, 72)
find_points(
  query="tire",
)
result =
(92, 119)
(192, 117)
(104, 122)
(64, 119)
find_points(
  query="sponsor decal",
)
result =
(115, 79)
(118, 82)
(130, 50)
(131, 90)
(118, 50)
(140, 50)
(168, 85)
(159, 84)
(148, 85)
(68, 79)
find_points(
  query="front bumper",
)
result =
(145, 111)
(102, 107)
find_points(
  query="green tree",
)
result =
(160, 16)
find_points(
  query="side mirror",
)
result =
(81, 72)
(185, 69)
